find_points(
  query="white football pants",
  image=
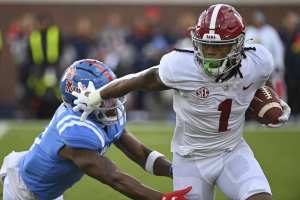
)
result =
(236, 173)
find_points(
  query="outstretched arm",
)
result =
(151, 161)
(89, 98)
(104, 170)
(147, 80)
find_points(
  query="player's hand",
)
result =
(178, 194)
(88, 99)
(286, 112)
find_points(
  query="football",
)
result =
(265, 106)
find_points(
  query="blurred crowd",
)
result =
(42, 50)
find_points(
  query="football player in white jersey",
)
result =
(213, 87)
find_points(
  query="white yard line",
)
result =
(3, 129)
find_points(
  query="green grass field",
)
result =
(277, 150)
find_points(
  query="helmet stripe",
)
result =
(103, 70)
(108, 76)
(213, 18)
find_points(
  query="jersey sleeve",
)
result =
(264, 65)
(84, 135)
(165, 70)
(178, 70)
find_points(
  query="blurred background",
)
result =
(40, 38)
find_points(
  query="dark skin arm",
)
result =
(137, 152)
(147, 80)
(104, 170)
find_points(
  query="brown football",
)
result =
(265, 106)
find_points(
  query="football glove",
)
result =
(88, 99)
(286, 112)
(178, 194)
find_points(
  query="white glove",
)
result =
(88, 99)
(286, 112)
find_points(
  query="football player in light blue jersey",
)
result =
(69, 148)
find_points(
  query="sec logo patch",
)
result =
(202, 92)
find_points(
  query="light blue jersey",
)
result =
(48, 175)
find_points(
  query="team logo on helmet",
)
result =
(69, 74)
(202, 92)
(70, 87)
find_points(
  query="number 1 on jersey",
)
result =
(225, 108)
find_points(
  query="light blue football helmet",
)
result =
(109, 111)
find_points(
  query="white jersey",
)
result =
(210, 116)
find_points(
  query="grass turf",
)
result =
(277, 150)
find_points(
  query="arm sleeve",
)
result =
(264, 65)
(77, 134)
(165, 71)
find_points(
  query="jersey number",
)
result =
(225, 108)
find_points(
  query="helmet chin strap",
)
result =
(224, 76)
(212, 66)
